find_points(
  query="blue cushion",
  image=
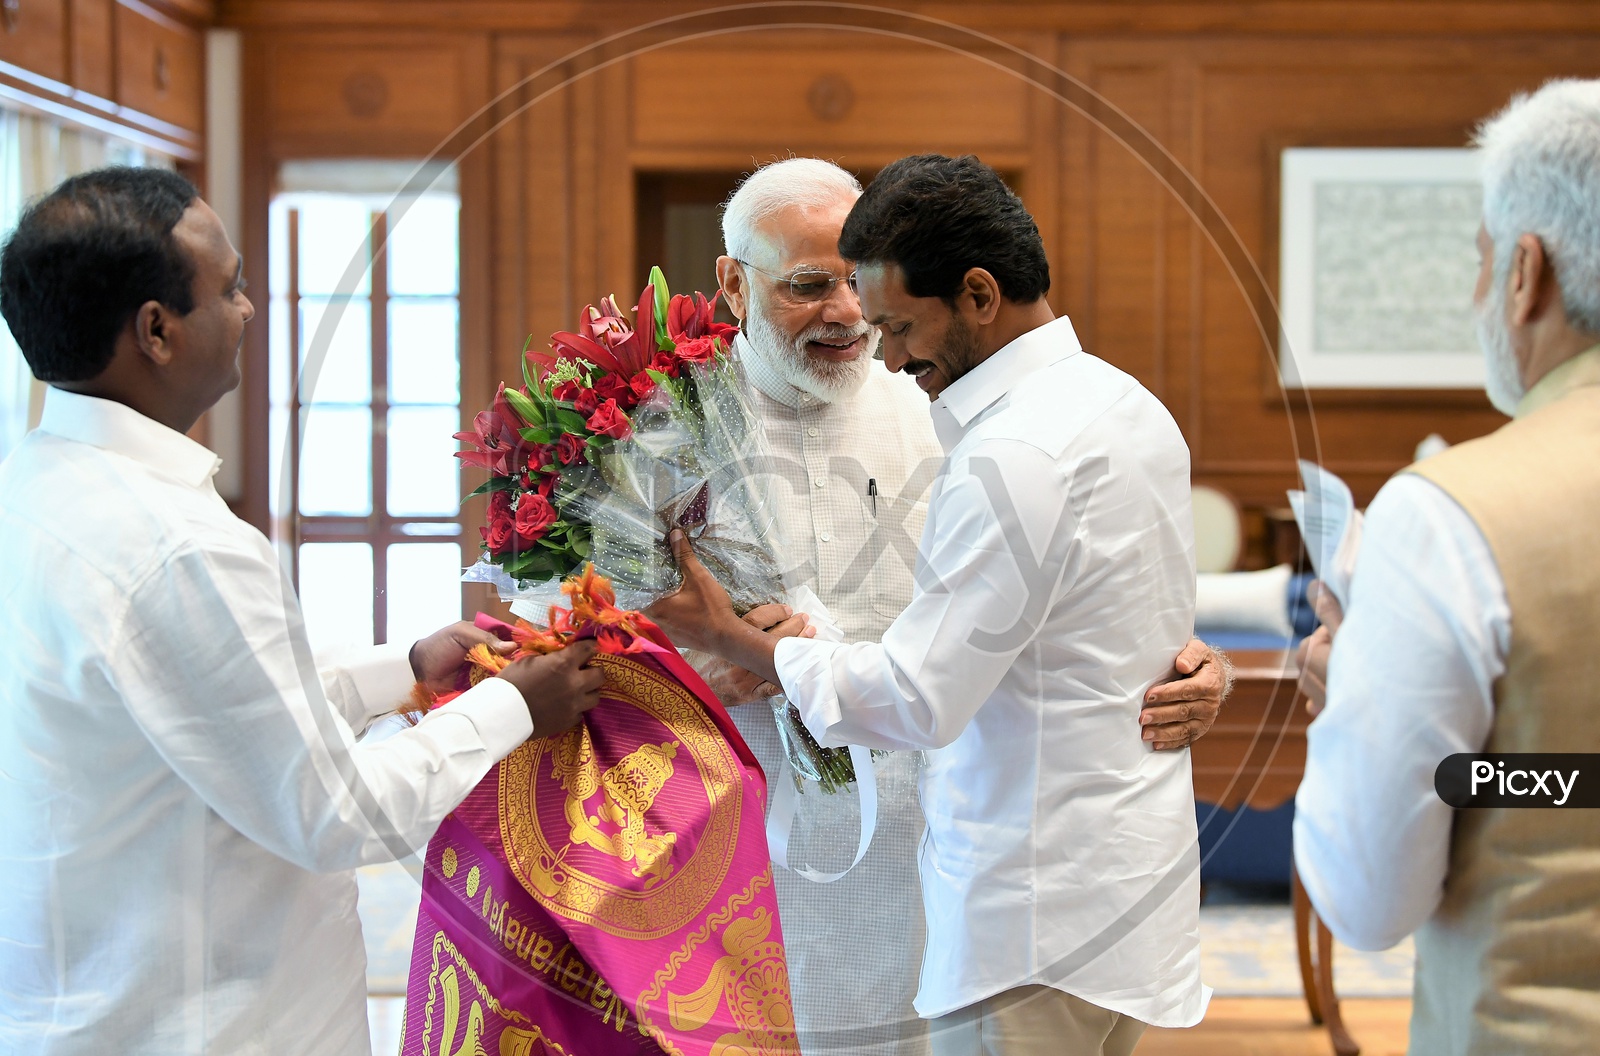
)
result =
(1245, 846)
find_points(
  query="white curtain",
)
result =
(35, 155)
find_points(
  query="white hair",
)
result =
(807, 182)
(1541, 176)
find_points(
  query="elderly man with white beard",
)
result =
(857, 454)
(1473, 613)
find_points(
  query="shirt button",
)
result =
(824, 537)
(812, 431)
(817, 482)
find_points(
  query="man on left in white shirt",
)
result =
(182, 795)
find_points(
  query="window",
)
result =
(365, 491)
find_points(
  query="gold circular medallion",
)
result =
(589, 818)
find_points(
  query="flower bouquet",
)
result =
(619, 434)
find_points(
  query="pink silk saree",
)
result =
(607, 890)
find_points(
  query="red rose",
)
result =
(696, 350)
(586, 402)
(544, 484)
(569, 448)
(566, 392)
(665, 363)
(539, 456)
(608, 420)
(500, 534)
(612, 387)
(534, 516)
(642, 385)
(499, 505)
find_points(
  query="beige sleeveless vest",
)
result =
(1510, 962)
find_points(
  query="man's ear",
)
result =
(1532, 280)
(730, 276)
(152, 332)
(980, 289)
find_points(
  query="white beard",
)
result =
(1503, 378)
(827, 381)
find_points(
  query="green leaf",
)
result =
(663, 301)
(527, 374)
(571, 421)
(493, 484)
(580, 544)
(539, 435)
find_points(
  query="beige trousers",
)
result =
(1034, 1021)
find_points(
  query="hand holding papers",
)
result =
(1330, 525)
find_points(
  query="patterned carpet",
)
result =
(1248, 951)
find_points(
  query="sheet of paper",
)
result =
(1330, 524)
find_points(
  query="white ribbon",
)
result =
(786, 802)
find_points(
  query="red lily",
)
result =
(497, 437)
(607, 340)
(692, 317)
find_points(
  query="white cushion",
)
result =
(1245, 601)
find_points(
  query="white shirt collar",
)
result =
(980, 387)
(117, 427)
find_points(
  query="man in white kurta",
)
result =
(853, 945)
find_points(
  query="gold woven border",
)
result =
(681, 956)
(442, 943)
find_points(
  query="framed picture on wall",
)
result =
(1378, 260)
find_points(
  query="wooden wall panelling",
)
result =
(93, 70)
(1242, 102)
(801, 91)
(1042, 175)
(859, 98)
(1347, 18)
(552, 183)
(1259, 97)
(367, 93)
(160, 65)
(117, 67)
(33, 36)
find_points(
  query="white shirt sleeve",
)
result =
(974, 609)
(212, 661)
(1410, 681)
(366, 684)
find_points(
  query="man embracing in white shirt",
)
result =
(182, 795)
(1055, 583)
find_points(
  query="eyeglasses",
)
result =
(808, 286)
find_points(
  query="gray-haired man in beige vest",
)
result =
(1474, 626)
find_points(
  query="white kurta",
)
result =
(182, 797)
(855, 945)
(1055, 586)
(1410, 681)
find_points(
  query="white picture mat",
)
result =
(1302, 364)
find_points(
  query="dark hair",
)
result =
(84, 258)
(937, 218)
